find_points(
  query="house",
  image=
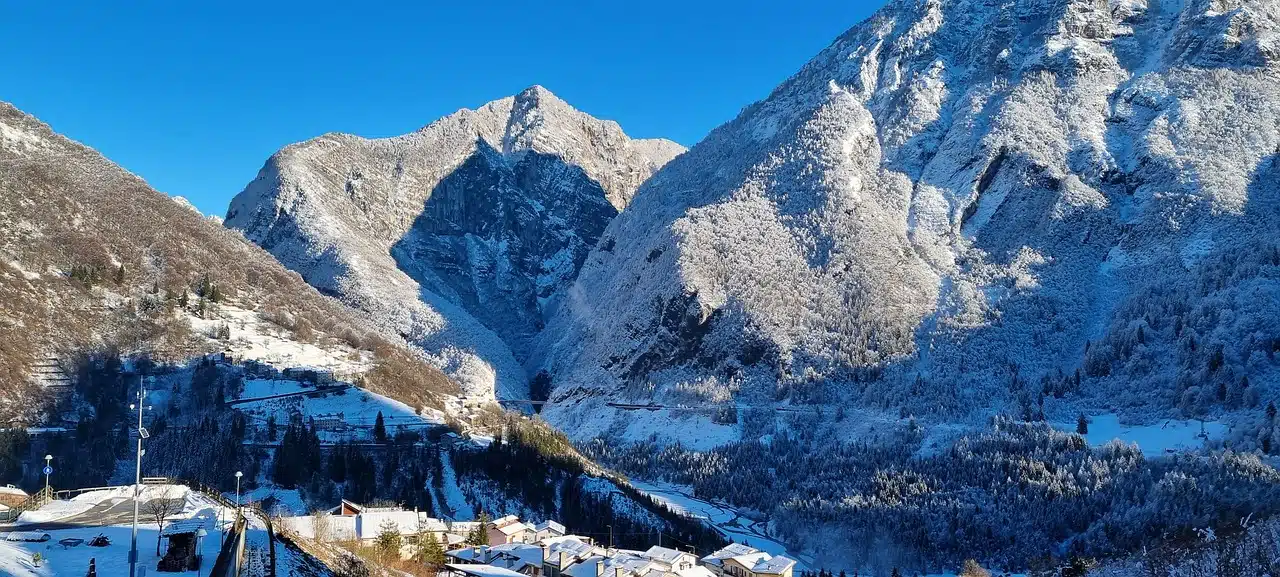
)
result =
(476, 570)
(547, 529)
(560, 553)
(737, 560)
(346, 509)
(350, 521)
(510, 529)
(473, 555)
(522, 558)
(695, 571)
(671, 559)
(614, 564)
(13, 497)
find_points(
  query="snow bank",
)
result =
(54, 511)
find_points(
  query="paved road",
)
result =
(110, 512)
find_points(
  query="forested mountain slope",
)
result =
(460, 236)
(960, 206)
(93, 260)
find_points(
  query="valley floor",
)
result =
(728, 521)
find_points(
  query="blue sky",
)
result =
(195, 96)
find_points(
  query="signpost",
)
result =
(48, 470)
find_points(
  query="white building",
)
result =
(671, 559)
(737, 560)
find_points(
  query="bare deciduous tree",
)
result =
(160, 508)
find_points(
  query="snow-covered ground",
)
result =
(253, 338)
(1167, 436)
(54, 511)
(345, 415)
(258, 388)
(16, 558)
(112, 560)
(288, 501)
(455, 501)
(729, 521)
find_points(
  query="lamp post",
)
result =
(48, 470)
(137, 479)
(200, 534)
(239, 514)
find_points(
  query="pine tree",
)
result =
(1082, 425)
(388, 540)
(1271, 412)
(202, 289)
(480, 535)
(429, 550)
(379, 429)
(182, 298)
(120, 274)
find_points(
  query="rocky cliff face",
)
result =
(958, 206)
(460, 236)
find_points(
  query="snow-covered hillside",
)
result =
(92, 259)
(958, 206)
(460, 236)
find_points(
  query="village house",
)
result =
(473, 570)
(615, 563)
(548, 529)
(12, 497)
(737, 560)
(671, 560)
(510, 529)
(352, 522)
(560, 553)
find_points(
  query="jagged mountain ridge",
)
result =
(459, 236)
(95, 261)
(942, 212)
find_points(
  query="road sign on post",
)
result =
(48, 470)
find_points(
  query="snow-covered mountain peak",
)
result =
(460, 235)
(951, 188)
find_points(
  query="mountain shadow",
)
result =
(502, 235)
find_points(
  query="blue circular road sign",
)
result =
(48, 470)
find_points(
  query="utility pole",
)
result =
(137, 480)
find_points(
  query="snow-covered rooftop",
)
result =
(483, 570)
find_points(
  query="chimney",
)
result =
(617, 571)
(599, 568)
(562, 560)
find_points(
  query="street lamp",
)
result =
(239, 514)
(137, 477)
(200, 534)
(48, 469)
